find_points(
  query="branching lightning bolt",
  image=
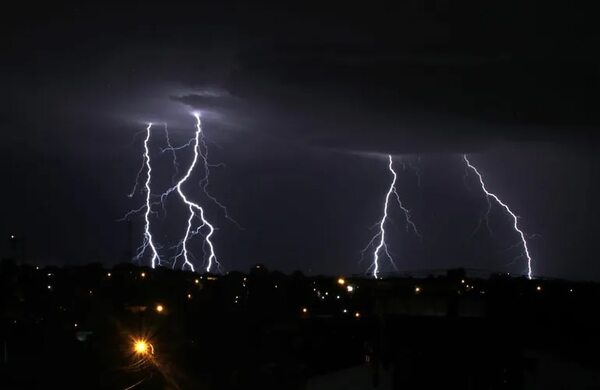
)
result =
(380, 236)
(148, 239)
(486, 215)
(508, 210)
(137, 178)
(204, 182)
(195, 210)
(173, 152)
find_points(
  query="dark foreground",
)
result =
(77, 327)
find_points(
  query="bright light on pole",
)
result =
(142, 347)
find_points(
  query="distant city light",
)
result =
(337, 297)
(75, 324)
(109, 274)
(341, 281)
(12, 236)
(159, 308)
(539, 288)
(462, 281)
(417, 289)
(357, 315)
(345, 311)
(349, 289)
(197, 281)
(189, 296)
(304, 310)
(49, 287)
(571, 290)
(143, 274)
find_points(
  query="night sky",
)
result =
(302, 104)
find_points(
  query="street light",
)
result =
(142, 347)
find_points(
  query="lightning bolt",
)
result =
(486, 215)
(195, 210)
(173, 153)
(204, 182)
(148, 241)
(507, 209)
(380, 236)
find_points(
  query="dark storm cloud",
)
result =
(413, 78)
(368, 98)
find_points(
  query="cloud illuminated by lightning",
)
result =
(507, 209)
(380, 236)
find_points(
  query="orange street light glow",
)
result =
(142, 347)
